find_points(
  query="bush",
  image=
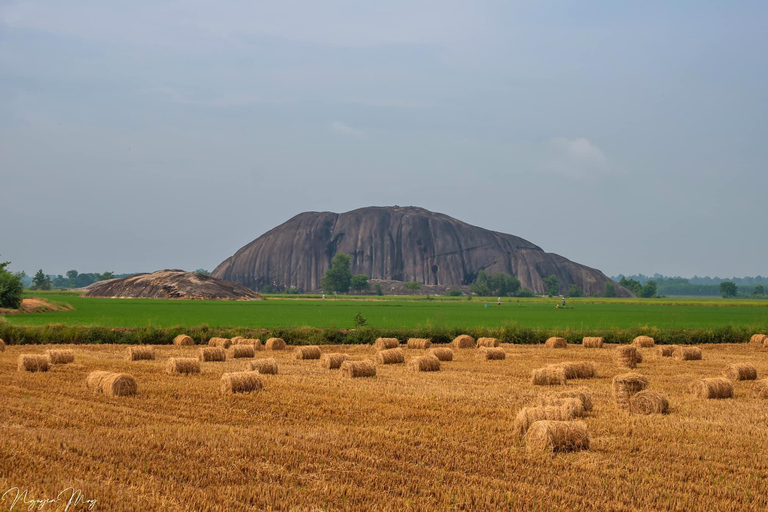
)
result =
(11, 287)
(454, 293)
(525, 292)
(413, 286)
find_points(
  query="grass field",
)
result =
(311, 440)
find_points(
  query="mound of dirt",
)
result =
(171, 284)
(34, 305)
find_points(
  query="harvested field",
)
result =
(312, 440)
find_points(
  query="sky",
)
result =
(626, 136)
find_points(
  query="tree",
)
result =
(574, 291)
(11, 287)
(72, 275)
(552, 285)
(501, 284)
(41, 281)
(105, 276)
(649, 290)
(377, 289)
(413, 286)
(359, 282)
(610, 290)
(630, 284)
(199, 271)
(759, 290)
(338, 278)
(728, 289)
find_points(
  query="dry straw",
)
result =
(556, 342)
(355, 369)
(419, 343)
(333, 361)
(32, 363)
(549, 376)
(717, 387)
(220, 342)
(442, 353)
(761, 389)
(573, 405)
(740, 371)
(263, 366)
(182, 365)
(464, 341)
(236, 340)
(667, 350)
(687, 353)
(626, 385)
(648, 402)
(391, 356)
(592, 342)
(308, 352)
(241, 351)
(254, 342)
(758, 339)
(112, 384)
(212, 354)
(626, 356)
(2, 345)
(60, 356)
(492, 353)
(240, 382)
(583, 395)
(141, 353)
(530, 415)
(183, 340)
(643, 342)
(386, 343)
(557, 436)
(275, 344)
(578, 369)
(487, 342)
(424, 364)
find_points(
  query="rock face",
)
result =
(171, 284)
(402, 244)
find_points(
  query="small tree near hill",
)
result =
(11, 287)
(41, 281)
(359, 283)
(552, 285)
(728, 289)
(338, 278)
(610, 290)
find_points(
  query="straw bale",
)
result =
(625, 385)
(687, 353)
(548, 376)
(333, 361)
(643, 342)
(492, 353)
(648, 402)
(592, 342)
(626, 356)
(442, 353)
(240, 382)
(186, 365)
(740, 371)
(717, 387)
(464, 341)
(355, 369)
(212, 354)
(419, 343)
(487, 342)
(32, 363)
(183, 340)
(557, 436)
(141, 353)
(386, 343)
(391, 356)
(307, 352)
(263, 366)
(60, 356)
(275, 344)
(424, 364)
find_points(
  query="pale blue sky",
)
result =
(144, 135)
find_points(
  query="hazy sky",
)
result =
(627, 136)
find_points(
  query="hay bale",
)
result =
(183, 340)
(263, 366)
(60, 356)
(308, 352)
(487, 342)
(187, 365)
(527, 416)
(573, 406)
(592, 342)
(584, 395)
(492, 353)
(240, 382)
(626, 356)
(355, 369)
(549, 376)
(740, 371)
(648, 402)
(253, 342)
(442, 353)
(220, 342)
(464, 341)
(333, 361)
(386, 343)
(236, 340)
(667, 350)
(626, 385)
(639, 357)
(578, 369)
(32, 363)
(761, 389)
(212, 354)
(424, 364)
(555, 342)
(241, 351)
(111, 384)
(275, 344)
(687, 353)
(419, 343)
(758, 339)
(717, 387)
(643, 342)
(2, 345)
(557, 436)
(391, 356)
(95, 379)
(141, 353)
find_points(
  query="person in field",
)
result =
(498, 301)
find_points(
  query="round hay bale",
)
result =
(424, 364)
(308, 352)
(275, 344)
(492, 353)
(263, 366)
(95, 379)
(667, 350)
(487, 342)
(717, 387)
(391, 356)
(626, 385)
(212, 354)
(254, 342)
(356, 369)
(2, 345)
(592, 342)
(185, 365)
(333, 361)
(386, 343)
(183, 340)
(761, 389)
(583, 395)
(740, 371)
(141, 353)
(687, 353)
(119, 384)
(241, 351)
(549, 376)
(639, 357)
(626, 356)
(758, 339)
(557, 436)
(578, 369)
(643, 342)
(442, 353)
(556, 342)
(236, 340)
(32, 363)
(648, 402)
(464, 341)
(240, 382)
(60, 356)
(220, 342)
(527, 416)
(419, 343)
